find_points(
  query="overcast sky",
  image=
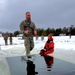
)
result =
(44, 13)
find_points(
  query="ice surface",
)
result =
(18, 48)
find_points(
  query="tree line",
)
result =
(55, 32)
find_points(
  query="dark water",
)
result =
(40, 65)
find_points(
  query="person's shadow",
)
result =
(49, 61)
(30, 68)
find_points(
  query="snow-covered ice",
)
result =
(18, 49)
(64, 49)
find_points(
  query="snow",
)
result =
(64, 49)
(18, 48)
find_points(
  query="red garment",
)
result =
(49, 47)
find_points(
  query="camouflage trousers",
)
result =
(29, 44)
(6, 41)
(10, 41)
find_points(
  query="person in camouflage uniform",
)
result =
(6, 38)
(10, 38)
(27, 27)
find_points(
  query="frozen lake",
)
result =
(62, 60)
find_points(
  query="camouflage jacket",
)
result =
(27, 25)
